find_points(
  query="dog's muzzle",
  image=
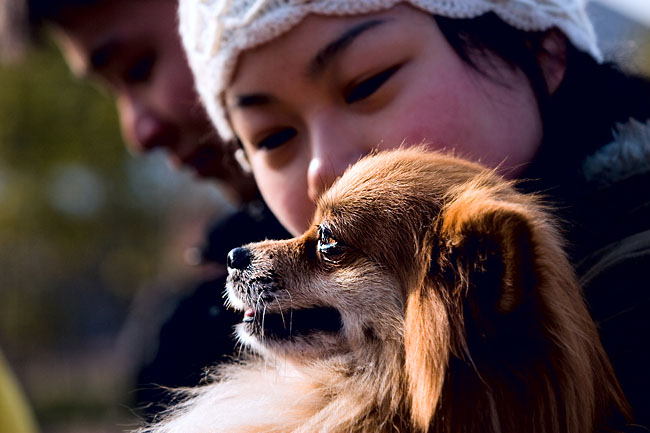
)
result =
(267, 305)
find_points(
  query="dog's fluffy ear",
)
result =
(426, 344)
(489, 248)
(493, 245)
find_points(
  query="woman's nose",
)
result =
(333, 149)
(320, 176)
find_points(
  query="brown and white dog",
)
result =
(428, 296)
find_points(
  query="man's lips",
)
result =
(206, 161)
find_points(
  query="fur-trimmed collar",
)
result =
(628, 155)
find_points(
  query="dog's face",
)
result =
(315, 295)
(312, 296)
(342, 286)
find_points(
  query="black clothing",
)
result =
(199, 332)
(616, 283)
(603, 198)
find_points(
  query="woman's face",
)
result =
(312, 102)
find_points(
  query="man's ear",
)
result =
(494, 250)
(552, 58)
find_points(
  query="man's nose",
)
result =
(142, 128)
(334, 147)
(151, 132)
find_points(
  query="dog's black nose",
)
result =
(238, 258)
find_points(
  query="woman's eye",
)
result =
(276, 139)
(369, 86)
(140, 70)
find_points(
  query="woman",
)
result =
(307, 87)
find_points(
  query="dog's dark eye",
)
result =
(328, 247)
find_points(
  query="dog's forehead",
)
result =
(391, 188)
(373, 195)
(403, 171)
(355, 199)
(369, 179)
(382, 183)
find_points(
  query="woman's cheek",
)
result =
(286, 195)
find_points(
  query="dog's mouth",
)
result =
(291, 323)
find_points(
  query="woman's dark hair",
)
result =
(581, 114)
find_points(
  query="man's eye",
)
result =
(140, 70)
(276, 139)
(369, 86)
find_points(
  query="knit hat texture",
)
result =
(215, 32)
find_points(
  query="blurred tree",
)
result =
(59, 143)
(82, 226)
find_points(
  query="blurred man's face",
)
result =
(133, 48)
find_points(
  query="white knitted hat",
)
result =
(215, 32)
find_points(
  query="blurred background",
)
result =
(95, 244)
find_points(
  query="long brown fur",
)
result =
(459, 312)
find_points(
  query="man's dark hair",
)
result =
(22, 21)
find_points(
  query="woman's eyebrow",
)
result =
(250, 100)
(317, 65)
(329, 52)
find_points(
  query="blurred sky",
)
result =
(623, 31)
(636, 10)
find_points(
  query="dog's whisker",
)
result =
(290, 310)
(277, 301)
(257, 302)
(227, 302)
(239, 346)
(263, 318)
(262, 333)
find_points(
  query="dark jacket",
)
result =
(615, 272)
(603, 196)
(198, 333)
